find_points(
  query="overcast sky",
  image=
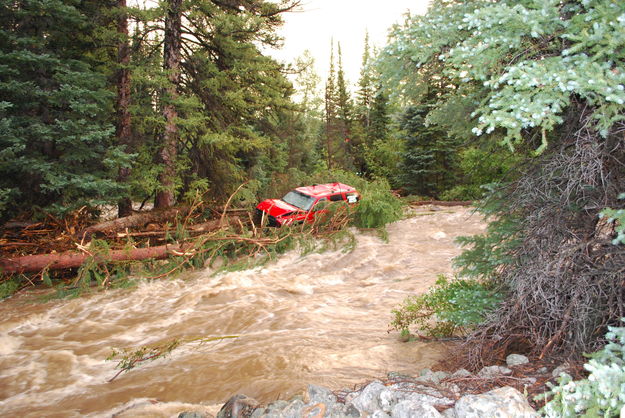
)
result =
(318, 21)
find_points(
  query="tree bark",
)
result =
(71, 259)
(171, 64)
(123, 121)
(133, 221)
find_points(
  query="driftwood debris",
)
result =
(72, 259)
(192, 230)
(132, 221)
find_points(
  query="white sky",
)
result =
(317, 21)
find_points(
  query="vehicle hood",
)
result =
(276, 207)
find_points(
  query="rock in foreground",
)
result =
(425, 396)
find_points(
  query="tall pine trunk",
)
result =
(171, 63)
(123, 131)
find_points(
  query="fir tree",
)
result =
(57, 147)
(172, 45)
(123, 130)
(332, 130)
(344, 149)
(365, 86)
(228, 99)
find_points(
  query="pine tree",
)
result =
(344, 107)
(123, 130)
(228, 98)
(172, 45)
(307, 143)
(57, 148)
(379, 119)
(365, 86)
(332, 130)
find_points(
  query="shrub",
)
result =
(463, 192)
(602, 393)
(8, 288)
(451, 306)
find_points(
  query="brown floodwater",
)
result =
(319, 318)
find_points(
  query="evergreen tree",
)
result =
(227, 100)
(384, 146)
(332, 128)
(56, 144)
(359, 126)
(365, 87)
(418, 161)
(172, 45)
(306, 144)
(344, 149)
(379, 119)
(123, 130)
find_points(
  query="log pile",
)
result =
(29, 247)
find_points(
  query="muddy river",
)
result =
(320, 319)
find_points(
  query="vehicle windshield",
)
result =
(299, 199)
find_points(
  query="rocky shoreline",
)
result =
(429, 395)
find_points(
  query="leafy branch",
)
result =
(128, 359)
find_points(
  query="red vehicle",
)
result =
(301, 204)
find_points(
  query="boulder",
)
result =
(368, 400)
(294, 409)
(449, 413)
(317, 410)
(516, 360)
(273, 409)
(239, 406)
(505, 402)
(493, 371)
(427, 375)
(318, 394)
(563, 368)
(461, 373)
(398, 376)
(343, 411)
(192, 414)
(395, 394)
(411, 409)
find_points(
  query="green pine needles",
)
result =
(57, 149)
(602, 393)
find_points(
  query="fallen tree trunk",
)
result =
(132, 221)
(443, 203)
(71, 259)
(191, 229)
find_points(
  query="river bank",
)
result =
(503, 391)
(318, 319)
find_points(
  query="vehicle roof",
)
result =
(320, 190)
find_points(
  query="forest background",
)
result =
(519, 103)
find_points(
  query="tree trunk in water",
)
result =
(171, 64)
(71, 259)
(123, 131)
